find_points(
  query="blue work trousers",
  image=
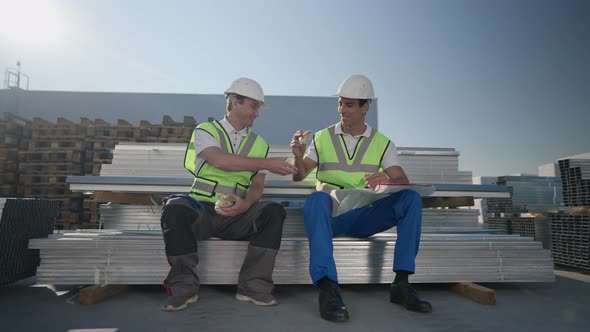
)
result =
(402, 209)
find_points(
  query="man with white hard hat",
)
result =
(351, 154)
(228, 161)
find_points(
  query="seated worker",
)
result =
(351, 154)
(225, 157)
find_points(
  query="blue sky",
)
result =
(505, 82)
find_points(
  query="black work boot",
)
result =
(403, 293)
(332, 307)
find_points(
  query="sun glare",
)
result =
(31, 22)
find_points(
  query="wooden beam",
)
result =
(95, 294)
(579, 210)
(476, 293)
(431, 202)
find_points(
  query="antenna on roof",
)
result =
(13, 79)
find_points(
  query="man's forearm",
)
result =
(234, 163)
(298, 162)
(254, 194)
(400, 180)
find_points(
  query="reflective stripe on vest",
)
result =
(210, 181)
(337, 170)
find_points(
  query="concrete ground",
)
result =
(560, 306)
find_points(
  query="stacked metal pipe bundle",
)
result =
(520, 224)
(575, 177)
(433, 165)
(499, 206)
(453, 248)
(422, 165)
(21, 220)
(532, 193)
(499, 224)
(147, 160)
(570, 239)
(497, 213)
(142, 217)
(523, 226)
(123, 257)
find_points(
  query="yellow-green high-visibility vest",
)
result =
(337, 169)
(210, 181)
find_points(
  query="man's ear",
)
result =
(365, 108)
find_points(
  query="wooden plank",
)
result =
(476, 293)
(95, 294)
(431, 202)
(580, 210)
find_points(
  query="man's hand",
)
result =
(239, 207)
(372, 180)
(298, 146)
(279, 165)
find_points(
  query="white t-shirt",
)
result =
(204, 140)
(389, 158)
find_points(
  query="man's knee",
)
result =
(411, 197)
(316, 199)
(177, 216)
(275, 212)
(270, 226)
(176, 224)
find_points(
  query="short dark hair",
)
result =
(230, 97)
(362, 102)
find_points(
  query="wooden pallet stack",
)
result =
(54, 151)
(168, 132)
(37, 155)
(12, 135)
(103, 136)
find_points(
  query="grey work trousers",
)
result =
(183, 226)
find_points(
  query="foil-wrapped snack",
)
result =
(225, 201)
(305, 138)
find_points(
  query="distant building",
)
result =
(284, 116)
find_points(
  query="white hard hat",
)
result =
(356, 87)
(248, 88)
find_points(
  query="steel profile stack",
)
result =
(433, 165)
(498, 210)
(570, 232)
(453, 246)
(575, 176)
(147, 160)
(523, 226)
(531, 193)
(570, 239)
(21, 220)
(125, 257)
(145, 217)
(422, 165)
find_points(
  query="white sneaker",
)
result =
(265, 300)
(177, 303)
